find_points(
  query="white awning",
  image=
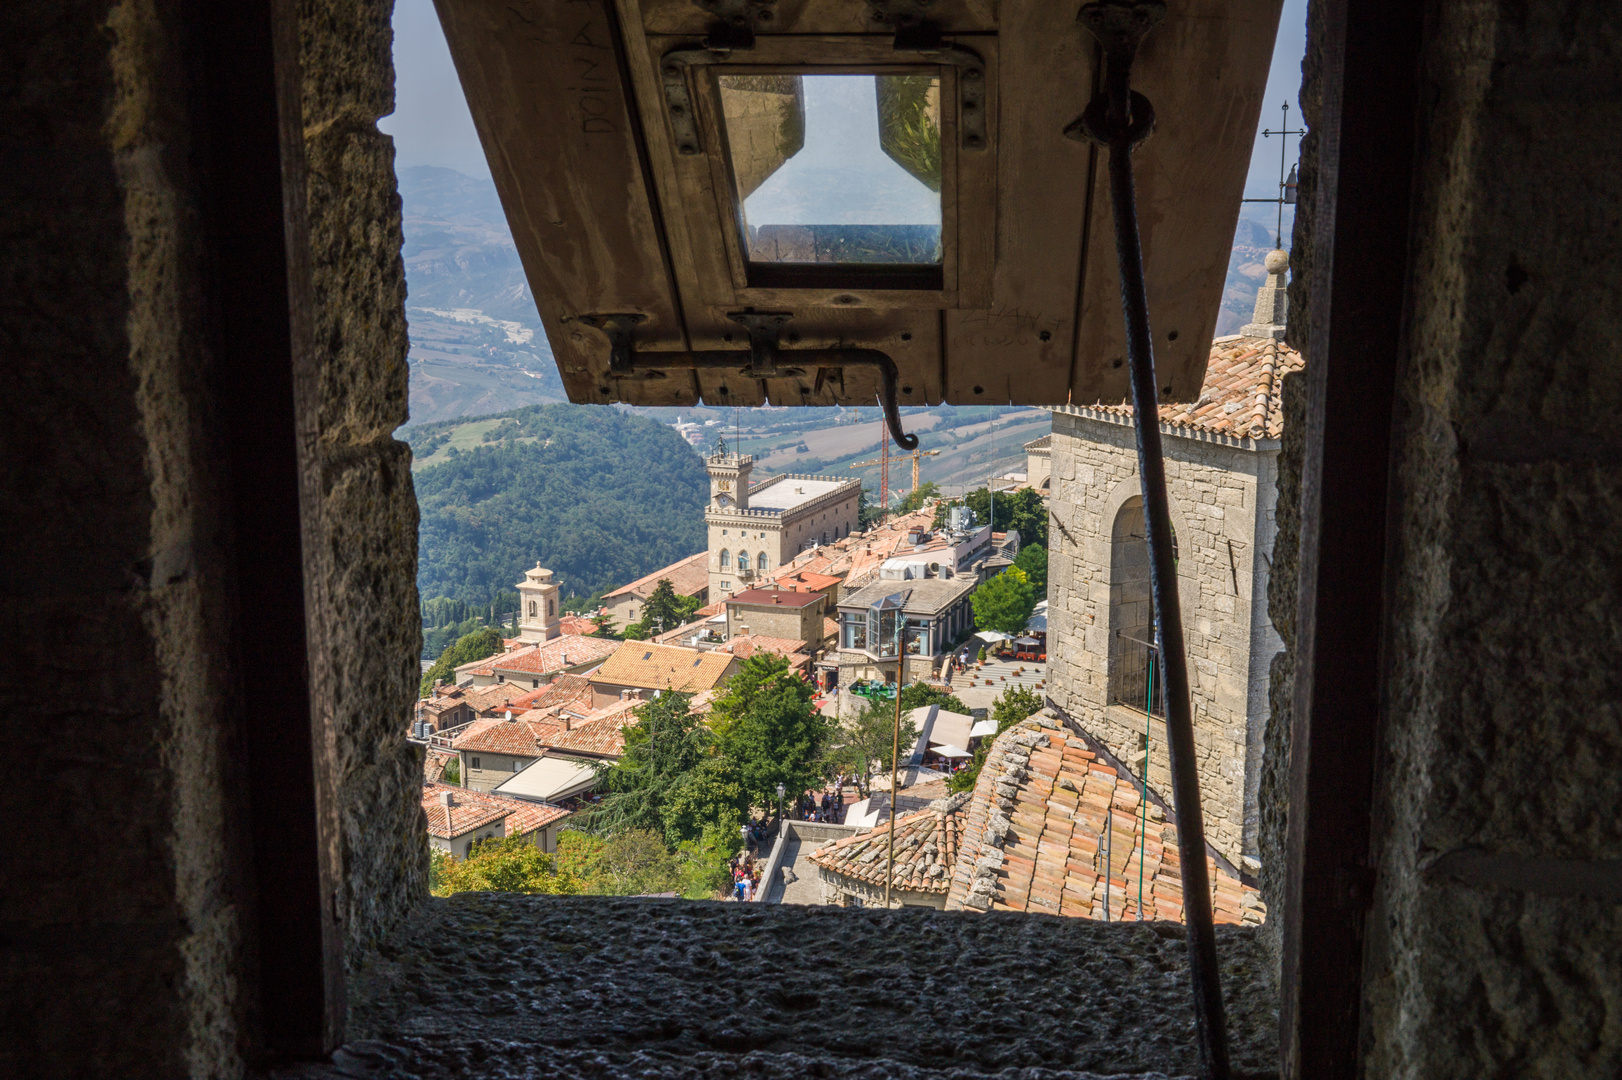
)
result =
(549, 779)
(991, 636)
(983, 729)
(950, 751)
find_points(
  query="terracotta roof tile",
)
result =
(522, 816)
(1240, 394)
(598, 735)
(927, 847)
(543, 658)
(664, 667)
(788, 598)
(520, 738)
(689, 577)
(1050, 828)
(461, 817)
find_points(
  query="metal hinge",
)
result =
(914, 33)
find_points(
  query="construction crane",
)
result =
(883, 462)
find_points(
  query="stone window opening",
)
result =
(726, 559)
(1133, 657)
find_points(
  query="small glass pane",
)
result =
(836, 168)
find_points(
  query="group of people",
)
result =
(829, 806)
(745, 876)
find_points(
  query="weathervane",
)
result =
(1286, 185)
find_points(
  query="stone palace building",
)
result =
(753, 531)
(1221, 473)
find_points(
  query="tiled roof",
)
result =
(433, 764)
(663, 667)
(1045, 815)
(745, 645)
(1241, 392)
(460, 818)
(926, 849)
(600, 735)
(803, 580)
(775, 598)
(830, 628)
(689, 577)
(518, 737)
(562, 691)
(522, 816)
(495, 698)
(577, 624)
(544, 658)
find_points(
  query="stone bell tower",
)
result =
(729, 479)
(538, 618)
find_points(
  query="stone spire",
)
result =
(1272, 300)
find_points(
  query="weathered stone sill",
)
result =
(498, 985)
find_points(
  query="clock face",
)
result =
(723, 501)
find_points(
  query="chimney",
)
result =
(1267, 321)
(447, 799)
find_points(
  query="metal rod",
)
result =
(1120, 120)
(895, 748)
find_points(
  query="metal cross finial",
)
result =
(1286, 185)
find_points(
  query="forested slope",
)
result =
(597, 495)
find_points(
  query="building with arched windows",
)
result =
(1221, 472)
(538, 615)
(756, 527)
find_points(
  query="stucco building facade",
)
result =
(755, 530)
(1221, 471)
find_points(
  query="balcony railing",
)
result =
(1135, 678)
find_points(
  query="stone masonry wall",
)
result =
(1496, 937)
(369, 513)
(123, 950)
(1219, 492)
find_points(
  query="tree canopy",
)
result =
(766, 728)
(1021, 510)
(1034, 561)
(597, 495)
(664, 609)
(1005, 602)
(918, 694)
(865, 744)
(915, 499)
(475, 646)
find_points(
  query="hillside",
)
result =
(596, 494)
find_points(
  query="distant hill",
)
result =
(597, 495)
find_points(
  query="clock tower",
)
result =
(729, 479)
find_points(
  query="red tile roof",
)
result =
(689, 577)
(543, 658)
(1052, 829)
(1241, 393)
(522, 816)
(599, 736)
(775, 598)
(521, 738)
(460, 818)
(926, 849)
(433, 764)
(577, 624)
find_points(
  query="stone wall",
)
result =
(1221, 490)
(1496, 937)
(124, 945)
(369, 512)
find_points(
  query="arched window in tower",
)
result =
(532, 609)
(1134, 665)
(726, 559)
(760, 561)
(551, 608)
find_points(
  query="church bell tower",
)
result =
(538, 618)
(729, 479)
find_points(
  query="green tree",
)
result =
(452, 773)
(663, 748)
(867, 514)
(603, 626)
(864, 745)
(1005, 602)
(768, 731)
(916, 498)
(664, 609)
(630, 863)
(916, 695)
(474, 646)
(1021, 510)
(635, 632)
(1015, 704)
(1034, 561)
(509, 864)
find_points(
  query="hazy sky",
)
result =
(431, 125)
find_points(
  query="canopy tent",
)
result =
(991, 637)
(950, 751)
(983, 729)
(549, 779)
(1026, 641)
(937, 726)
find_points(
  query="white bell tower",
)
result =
(538, 618)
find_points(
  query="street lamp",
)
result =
(780, 801)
